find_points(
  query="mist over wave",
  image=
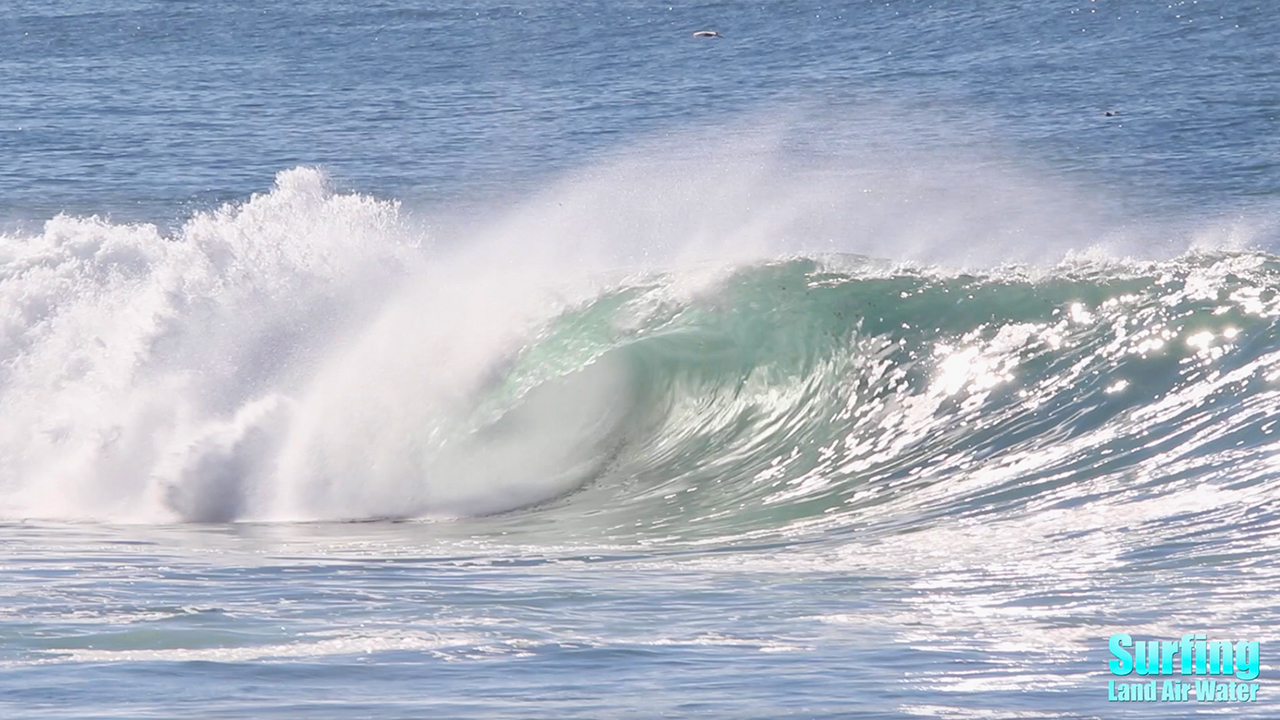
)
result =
(738, 341)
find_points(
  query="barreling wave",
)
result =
(295, 357)
(832, 392)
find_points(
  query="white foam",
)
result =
(133, 360)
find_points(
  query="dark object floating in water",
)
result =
(707, 33)
(1111, 113)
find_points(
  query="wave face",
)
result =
(260, 365)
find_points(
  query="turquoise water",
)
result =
(871, 360)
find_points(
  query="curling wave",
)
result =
(297, 357)
(825, 393)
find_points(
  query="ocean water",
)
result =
(502, 360)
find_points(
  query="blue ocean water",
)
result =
(420, 359)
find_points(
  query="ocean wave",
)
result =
(299, 357)
(824, 393)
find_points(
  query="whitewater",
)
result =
(508, 361)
